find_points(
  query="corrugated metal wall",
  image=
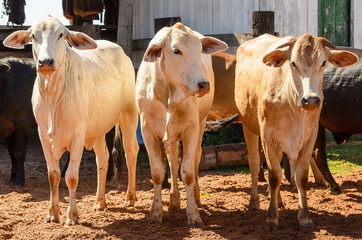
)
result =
(292, 17)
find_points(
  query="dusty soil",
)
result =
(225, 198)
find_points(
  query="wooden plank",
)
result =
(357, 20)
(302, 17)
(125, 26)
(313, 17)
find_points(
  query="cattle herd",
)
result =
(79, 89)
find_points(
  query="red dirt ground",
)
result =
(225, 198)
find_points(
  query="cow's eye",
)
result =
(60, 36)
(324, 63)
(176, 51)
(293, 64)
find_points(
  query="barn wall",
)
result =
(357, 23)
(292, 17)
(204, 16)
(295, 17)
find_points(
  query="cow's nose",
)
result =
(46, 61)
(203, 86)
(311, 102)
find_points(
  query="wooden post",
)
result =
(262, 22)
(125, 26)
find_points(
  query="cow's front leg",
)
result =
(102, 155)
(273, 157)
(72, 177)
(154, 150)
(301, 180)
(54, 179)
(197, 162)
(190, 142)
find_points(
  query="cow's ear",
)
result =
(152, 53)
(275, 58)
(212, 45)
(80, 40)
(18, 39)
(341, 59)
(155, 46)
(4, 67)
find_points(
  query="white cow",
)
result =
(78, 96)
(174, 91)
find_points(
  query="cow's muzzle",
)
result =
(46, 65)
(203, 87)
(311, 102)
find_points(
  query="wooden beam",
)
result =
(262, 22)
(125, 25)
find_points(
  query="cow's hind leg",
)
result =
(154, 150)
(128, 123)
(54, 179)
(273, 157)
(72, 178)
(173, 158)
(252, 143)
(320, 158)
(102, 156)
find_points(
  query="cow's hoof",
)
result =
(306, 227)
(130, 200)
(270, 227)
(254, 204)
(156, 218)
(335, 190)
(99, 207)
(16, 182)
(196, 224)
(52, 219)
(70, 222)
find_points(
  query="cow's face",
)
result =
(307, 57)
(178, 50)
(49, 37)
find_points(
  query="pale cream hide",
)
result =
(174, 91)
(78, 96)
(278, 91)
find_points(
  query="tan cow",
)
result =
(174, 91)
(278, 91)
(79, 94)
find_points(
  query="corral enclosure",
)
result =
(224, 197)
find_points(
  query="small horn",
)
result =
(289, 43)
(326, 43)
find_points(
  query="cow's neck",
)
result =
(172, 94)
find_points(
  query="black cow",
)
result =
(341, 112)
(16, 114)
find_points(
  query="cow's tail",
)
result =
(118, 155)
